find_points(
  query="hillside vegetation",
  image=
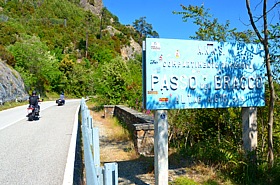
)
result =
(58, 46)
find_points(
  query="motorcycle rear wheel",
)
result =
(30, 117)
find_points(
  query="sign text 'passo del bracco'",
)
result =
(180, 74)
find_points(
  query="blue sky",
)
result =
(168, 25)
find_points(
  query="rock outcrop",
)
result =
(95, 6)
(11, 85)
(128, 51)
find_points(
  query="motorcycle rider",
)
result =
(34, 100)
(62, 97)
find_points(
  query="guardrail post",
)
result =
(91, 176)
(88, 119)
(90, 131)
(110, 174)
(96, 148)
(89, 127)
(96, 152)
(99, 171)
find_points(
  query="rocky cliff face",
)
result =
(95, 6)
(11, 85)
(127, 52)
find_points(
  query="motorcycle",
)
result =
(60, 102)
(32, 113)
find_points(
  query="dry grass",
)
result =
(201, 173)
(8, 105)
(116, 144)
(119, 133)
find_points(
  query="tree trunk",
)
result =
(271, 89)
(271, 109)
(264, 41)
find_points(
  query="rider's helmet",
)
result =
(34, 92)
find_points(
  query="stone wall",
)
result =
(140, 125)
(109, 111)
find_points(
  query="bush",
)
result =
(7, 56)
(183, 181)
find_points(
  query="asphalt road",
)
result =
(37, 152)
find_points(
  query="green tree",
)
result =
(35, 63)
(7, 56)
(118, 82)
(145, 29)
(8, 33)
(102, 51)
(134, 84)
(263, 36)
(110, 82)
(208, 29)
(80, 80)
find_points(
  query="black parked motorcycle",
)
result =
(32, 113)
(60, 102)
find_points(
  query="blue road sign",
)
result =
(181, 74)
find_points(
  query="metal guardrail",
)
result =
(95, 174)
